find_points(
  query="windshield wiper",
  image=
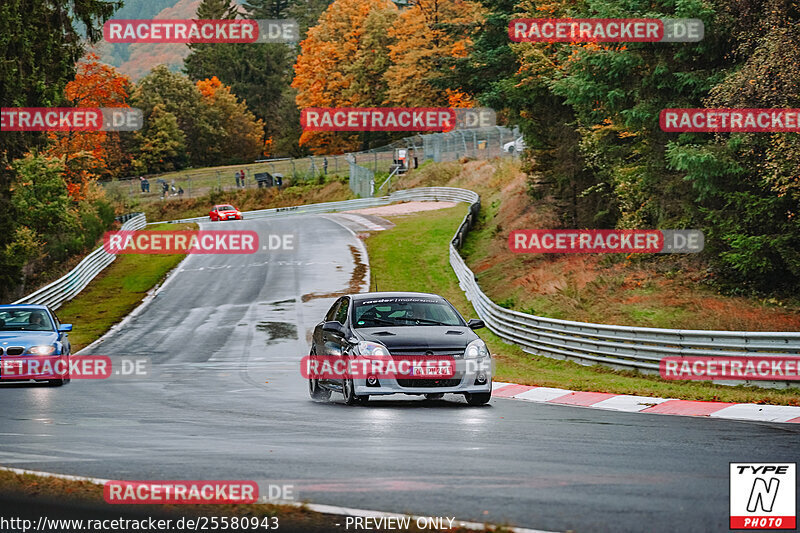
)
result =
(380, 321)
(426, 321)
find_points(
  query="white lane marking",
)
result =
(751, 411)
(628, 403)
(316, 507)
(13, 457)
(541, 394)
(361, 221)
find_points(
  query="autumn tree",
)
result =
(161, 144)
(426, 36)
(91, 155)
(181, 98)
(240, 136)
(340, 65)
(40, 45)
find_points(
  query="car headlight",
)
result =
(42, 350)
(368, 348)
(476, 349)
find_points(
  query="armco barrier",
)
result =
(79, 277)
(621, 347)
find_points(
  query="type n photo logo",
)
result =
(763, 495)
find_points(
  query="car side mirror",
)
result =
(333, 327)
(63, 328)
(476, 323)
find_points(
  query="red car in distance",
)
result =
(224, 212)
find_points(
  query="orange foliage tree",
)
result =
(239, 136)
(426, 35)
(88, 155)
(341, 64)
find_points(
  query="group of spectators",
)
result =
(166, 189)
(240, 178)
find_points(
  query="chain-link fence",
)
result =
(191, 183)
(408, 153)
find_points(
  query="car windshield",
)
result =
(22, 319)
(404, 311)
(226, 208)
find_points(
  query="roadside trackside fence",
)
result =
(477, 143)
(79, 277)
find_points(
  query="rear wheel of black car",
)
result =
(478, 398)
(317, 393)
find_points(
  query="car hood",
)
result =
(423, 338)
(27, 338)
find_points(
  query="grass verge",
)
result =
(116, 291)
(413, 256)
(83, 500)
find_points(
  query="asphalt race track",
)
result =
(225, 400)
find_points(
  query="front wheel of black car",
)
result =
(478, 398)
(349, 393)
(317, 393)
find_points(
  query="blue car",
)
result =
(30, 331)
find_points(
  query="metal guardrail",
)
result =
(78, 278)
(619, 347)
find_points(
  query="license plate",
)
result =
(431, 371)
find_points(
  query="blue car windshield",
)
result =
(404, 311)
(25, 319)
